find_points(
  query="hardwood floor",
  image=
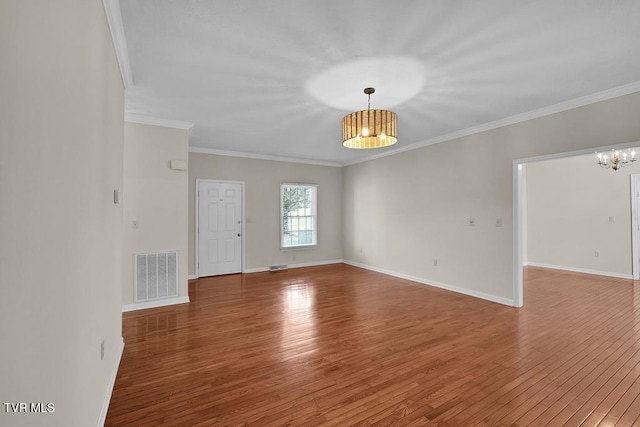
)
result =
(338, 345)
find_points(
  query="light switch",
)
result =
(135, 224)
(499, 222)
(472, 222)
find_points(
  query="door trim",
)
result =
(197, 223)
(635, 252)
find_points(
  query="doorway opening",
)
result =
(520, 211)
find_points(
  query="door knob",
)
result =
(238, 234)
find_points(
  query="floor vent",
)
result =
(278, 267)
(156, 275)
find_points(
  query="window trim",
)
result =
(314, 215)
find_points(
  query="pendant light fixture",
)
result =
(369, 128)
(618, 159)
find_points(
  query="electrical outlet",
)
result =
(472, 222)
(435, 262)
(102, 350)
(499, 222)
(612, 219)
(294, 258)
(360, 250)
(596, 254)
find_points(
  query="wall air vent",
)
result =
(156, 275)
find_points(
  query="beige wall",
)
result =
(155, 196)
(403, 211)
(569, 204)
(61, 150)
(262, 180)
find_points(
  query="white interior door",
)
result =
(219, 228)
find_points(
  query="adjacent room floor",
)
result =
(338, 345)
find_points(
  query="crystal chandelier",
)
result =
(369, 128)
(617, 160)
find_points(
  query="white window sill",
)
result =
(298, 248)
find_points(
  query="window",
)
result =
(298, 214)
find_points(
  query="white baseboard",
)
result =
(580, 270)
(300, 265)
(192, 276)
(112, 383)
(481, 295)
(255, 270)
(154, 304)
(316, 263)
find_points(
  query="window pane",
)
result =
(297, 207)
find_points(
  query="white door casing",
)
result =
(635, 225)
(219, 228)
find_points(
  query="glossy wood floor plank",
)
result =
(337, 345)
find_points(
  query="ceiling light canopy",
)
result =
(369, 128)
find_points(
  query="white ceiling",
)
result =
(276, 77)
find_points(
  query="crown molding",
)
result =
(518, 118)
(156, 121)
(116, 28)
(204, 150)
